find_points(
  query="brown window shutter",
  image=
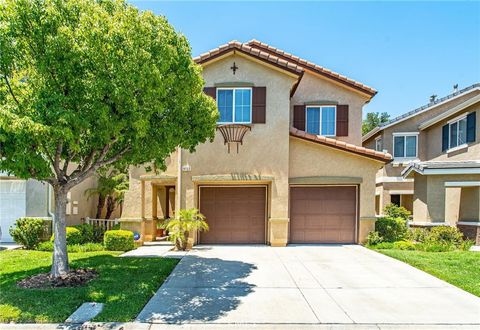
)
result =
(299, 117)
(342, 120)
(259, 105)
(211, 91)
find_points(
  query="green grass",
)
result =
(460, 268)
(123, 284)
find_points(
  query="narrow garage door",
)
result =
(323, 214)
(234, 214)
(12, 205)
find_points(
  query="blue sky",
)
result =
(406, 50)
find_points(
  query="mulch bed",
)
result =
(74, 278)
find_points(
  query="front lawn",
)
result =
(460, 268)
(123, 284)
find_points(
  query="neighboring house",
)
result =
(32, 198)
(300, 175)
(436, 168)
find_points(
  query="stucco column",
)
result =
(452, 204)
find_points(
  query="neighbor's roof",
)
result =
(446, 167)
(337, 144)
(421, 109)
(283, 60)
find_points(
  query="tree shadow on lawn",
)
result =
(199, 289)
(123, 284)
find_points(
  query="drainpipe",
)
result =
(49, 205)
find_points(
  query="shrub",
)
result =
(374, 238)
(86, 231)
(391, 229)
(74, 236)
(434, 247)
(88, 247)
(394, 211)
(27, 232)
(384, 246)
(118, 240)
(417, 234)
(466, 245)
(445, 235)
(184, 222)
(404, 245)
(98, 233)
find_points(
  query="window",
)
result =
(321, 120)
(234, 105)
(378, 144)
(405, 145)
(458, 132)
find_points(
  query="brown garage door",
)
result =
(323, 214)
(234, 214)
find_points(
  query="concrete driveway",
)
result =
(304, 285)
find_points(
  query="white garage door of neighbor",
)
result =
(12, 205)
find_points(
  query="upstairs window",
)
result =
(405, 145)
(378, 144)
(321, 120)
(458, 132)
(234, 105)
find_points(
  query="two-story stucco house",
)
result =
(300, 174)
(436, 167)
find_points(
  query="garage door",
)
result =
(12, 205)
(323, 214)
(234, 214)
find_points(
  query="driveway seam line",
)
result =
(328, 293)
(298, 288)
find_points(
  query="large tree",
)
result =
(87, 84)
(373, 120)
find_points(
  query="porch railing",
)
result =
(106, 224)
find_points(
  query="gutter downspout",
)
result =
(178, 191)
(49, 205)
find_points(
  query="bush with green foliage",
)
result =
(87, 247)
(395, 211)
(374, 238)
(74, 236)
(404, 245)
(86, 231)
(27, 232)
(383, 245)
(118, 240)
(445, 235)
(391, 229)
(417, 234)
(184, 222)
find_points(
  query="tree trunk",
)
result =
(101, 203)
(110, 207)
(60, 256)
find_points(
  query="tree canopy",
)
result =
(373, 120)
(86, 84)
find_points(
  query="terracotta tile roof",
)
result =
(283, 60)
(312, 66)
(246, 49)
(348, 147)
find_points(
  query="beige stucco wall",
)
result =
(429, 201)
(311, 159)
(314, 88)
(434, 138)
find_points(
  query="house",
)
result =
(436, 167)
(31, 198)
(300, 174)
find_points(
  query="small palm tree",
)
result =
(184, 222)
(111, 188)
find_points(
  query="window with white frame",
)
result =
(321, 120)
(234, 105)
(405, 145)
(457, 132)
(378, 144)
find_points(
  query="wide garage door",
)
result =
(234, 214)
(12, 205)
(323, 214)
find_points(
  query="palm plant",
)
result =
(111, 188)
(184, 222)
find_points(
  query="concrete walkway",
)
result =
(155, 250)
(323, 284)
